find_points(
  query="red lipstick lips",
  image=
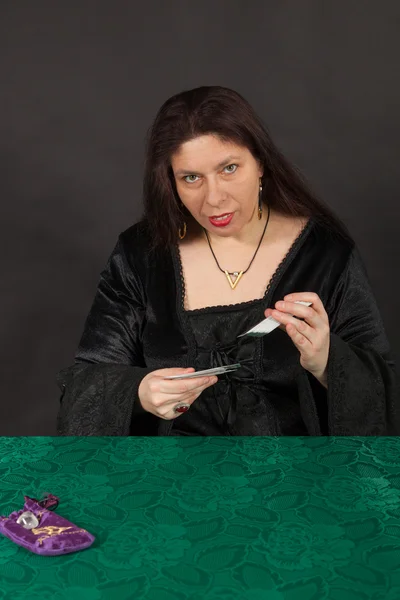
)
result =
(222, 220)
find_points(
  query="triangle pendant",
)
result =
(233, 284)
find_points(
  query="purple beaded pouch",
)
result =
(41, 531)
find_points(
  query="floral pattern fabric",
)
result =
(217, 518)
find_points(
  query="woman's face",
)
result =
(215, 178)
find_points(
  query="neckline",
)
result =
(181, 287)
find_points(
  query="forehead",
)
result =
(207, 150)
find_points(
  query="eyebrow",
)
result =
(226, 161)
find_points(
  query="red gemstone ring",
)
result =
(181, 407)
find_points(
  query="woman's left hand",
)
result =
(311, 336)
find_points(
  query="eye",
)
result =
(229, 166)
(186, 178)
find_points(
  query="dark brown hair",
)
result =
(225, 113)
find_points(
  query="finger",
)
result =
(188, 397)
(166, 409)
(298, 310)
(183, 386)
(299, 326)
(173, 371)
(317, 303)
(169, 414)
(194, 391)
(302, 343)
(268, 313)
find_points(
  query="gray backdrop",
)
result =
(80, 85)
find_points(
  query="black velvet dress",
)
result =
(138, 324)
(242, 402)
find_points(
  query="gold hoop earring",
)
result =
(182, 235)
(260, 202)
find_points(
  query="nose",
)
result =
(213, 195)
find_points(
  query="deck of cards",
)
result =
(206, 372)
(266, 326)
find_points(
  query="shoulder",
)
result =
(135, 243)
(137, 235)
(331, 245)
(323, 239)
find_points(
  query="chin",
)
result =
(224, 232)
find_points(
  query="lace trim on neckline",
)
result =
(218, 307)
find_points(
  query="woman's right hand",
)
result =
(159, 396)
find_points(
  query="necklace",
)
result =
(237, 274)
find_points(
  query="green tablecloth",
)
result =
(249, 518)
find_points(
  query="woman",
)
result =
(229, 232)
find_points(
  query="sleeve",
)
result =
(100, 391)
(363, 396)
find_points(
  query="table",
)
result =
(214, 518)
